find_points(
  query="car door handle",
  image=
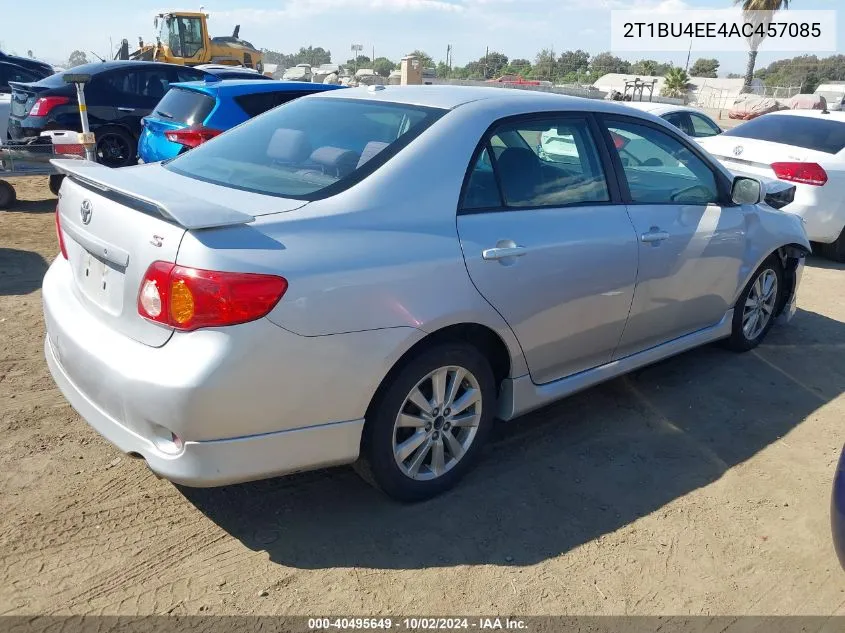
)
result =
(654, 236)
(122, 109)
(501, 252)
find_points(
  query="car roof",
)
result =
(655, 107)
(98, 67)
(448, 97)
(817, 114)
(249, 86)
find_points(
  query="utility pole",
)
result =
(689, 52)
(486, 55)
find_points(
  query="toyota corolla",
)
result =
(372, 276)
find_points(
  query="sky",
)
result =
(390, 28)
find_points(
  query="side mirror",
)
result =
(746, 190)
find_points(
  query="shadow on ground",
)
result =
(21, 272)
(817, 261)
(35, 206)
(560, 477)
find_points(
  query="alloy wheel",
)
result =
(113, 151)
(437, 423)
(759, 304)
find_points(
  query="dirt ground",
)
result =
(697, 486)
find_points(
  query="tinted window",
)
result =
(820, 134)
(260, 102)
(548, 163)
(308, 149)
(681, 121)
(703, 126)
(10, 72)
(184, 106)
(661, 169)
(188, 74)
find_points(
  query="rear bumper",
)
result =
(220, 462)
(837, 510)
(249, 401)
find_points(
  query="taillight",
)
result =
(59, 233)
(806, 173)
(190, 298)
(192, 136)
(44, 105)
(619, 141)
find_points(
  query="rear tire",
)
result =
(56, 183)
(836, 249)
(7, 195)
(413, 452)
(754, 312)
(116, 147)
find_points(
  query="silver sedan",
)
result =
(374, 276)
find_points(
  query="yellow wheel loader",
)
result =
(182, 38)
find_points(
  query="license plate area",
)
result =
(100, 281)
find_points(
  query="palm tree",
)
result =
(757, 12)
(676, 83)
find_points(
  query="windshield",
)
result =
(815, 133)
(309, 148)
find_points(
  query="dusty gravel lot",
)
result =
(697, 486)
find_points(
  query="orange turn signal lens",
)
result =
(181, 302)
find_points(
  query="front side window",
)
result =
(183, 35)
(308, 148)
(659, 168)
(548, 163)
(681, 121)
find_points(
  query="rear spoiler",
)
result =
(172, 205)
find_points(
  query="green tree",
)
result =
(545, 65)
(425, 59)
(493, 65)
(77, 58)
(604, 63)
(704, 68)
(363, 62)
(757, 12)
(573, 62)
(645, 67)
(383, 66)
(677, 83)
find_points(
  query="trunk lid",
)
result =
(748, 156)
(24, 96)
(116, 222)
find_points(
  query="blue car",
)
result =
(837, 509)
(191, 113)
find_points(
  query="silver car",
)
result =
(375, 275)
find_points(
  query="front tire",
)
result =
(755, 310)
(7, 195)
(428, 425)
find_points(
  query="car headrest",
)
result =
(335, 160)
(371, 149)
(289, 146)
(520, 174)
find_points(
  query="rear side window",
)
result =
(258, 103)
(184, 106)
(535, 164)
(819, 134)
(312, 148)
(702, 126)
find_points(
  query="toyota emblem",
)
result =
(85, 211)
(738, 150)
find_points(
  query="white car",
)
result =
(802, 147)
(690, 121)
(5, 105)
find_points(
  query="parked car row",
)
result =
(146, 110)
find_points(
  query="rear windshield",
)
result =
(819, 134)
(309, 148)
(184, 106)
